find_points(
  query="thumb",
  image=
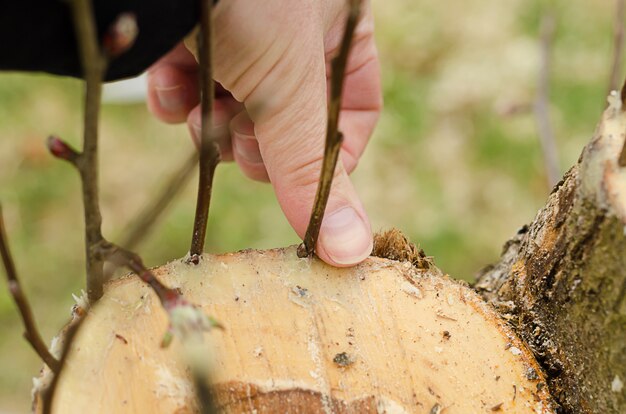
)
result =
(288, 103)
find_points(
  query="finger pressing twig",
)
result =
(542, 115)
(209, 152)
(31, 334)
(333, 136)
(618, 45)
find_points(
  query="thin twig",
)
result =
(141, 226)
(93, 64)
(47, 396)
(333, 136)
(542, 110)
(31, 333)
(189, 319)
(209, 152)
(122, 257)
(618, 45)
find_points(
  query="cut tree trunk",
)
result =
(561, 281)
(303, 337)
(389, 335)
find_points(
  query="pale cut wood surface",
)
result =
(301, 336)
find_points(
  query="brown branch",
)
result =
(618, 45)
(31, 333)
(93, 64)
(209, 152)
(141, 226)
(185, 319)
(119, 256)
(333, 136)
(542, 101)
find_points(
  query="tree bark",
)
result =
(561, 281)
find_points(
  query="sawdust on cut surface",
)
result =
(393, 244)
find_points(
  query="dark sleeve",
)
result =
(38, 35)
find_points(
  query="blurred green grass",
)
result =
(447, 164)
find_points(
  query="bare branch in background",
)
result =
(333, 136)
(542, 103)
(141, 226)
(31, 333)
(209, 152)
(618, 45)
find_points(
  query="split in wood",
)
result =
(333, 136)
(209, 152)
(31, 333)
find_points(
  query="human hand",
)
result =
(274, 58)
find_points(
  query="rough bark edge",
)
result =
(558, 280)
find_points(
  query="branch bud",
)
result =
(121, 35)
(60, 149)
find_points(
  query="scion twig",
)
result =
(31, 333)
(209, 152)
(333, 136)
(542, 110)
(93, 64)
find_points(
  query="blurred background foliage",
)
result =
(455, 161)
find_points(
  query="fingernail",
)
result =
(247, 147)
(345, 237)
(172, 98)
